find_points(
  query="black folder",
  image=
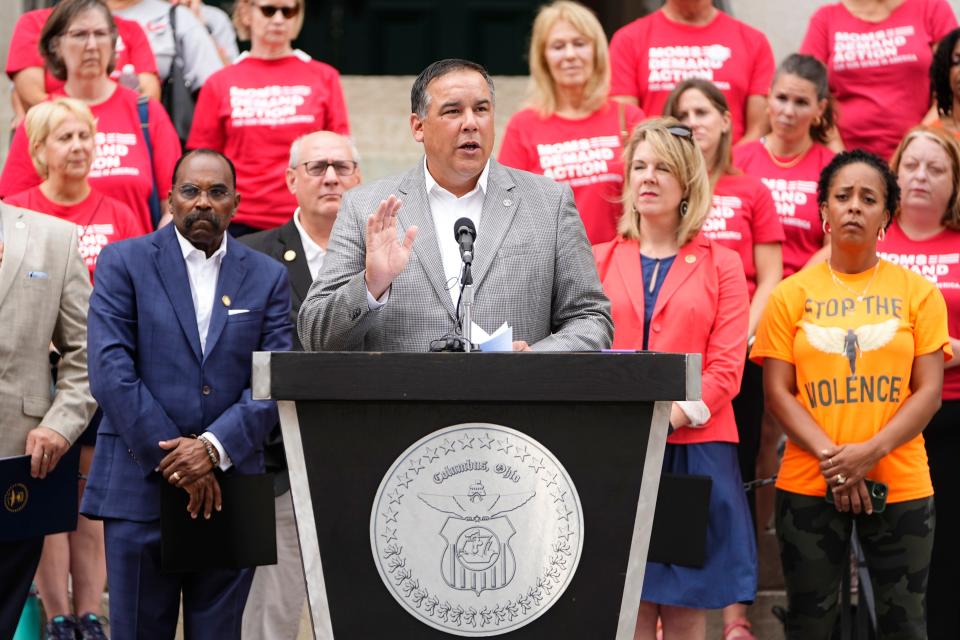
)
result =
(32, 507)
(680, 520)
(243, 534)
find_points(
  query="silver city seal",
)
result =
(476, 529)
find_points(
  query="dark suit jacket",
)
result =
(152, 379)
(276, 243)
(282, 244)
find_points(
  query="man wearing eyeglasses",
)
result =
(323, 165)
(173, 320)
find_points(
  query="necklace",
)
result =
(787, 164)
(843, 285)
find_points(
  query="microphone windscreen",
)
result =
(464, 225)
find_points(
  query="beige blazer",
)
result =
(44, 292)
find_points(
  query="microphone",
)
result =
(465, 233)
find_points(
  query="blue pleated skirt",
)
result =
(729, 573)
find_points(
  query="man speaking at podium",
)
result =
(390, 281)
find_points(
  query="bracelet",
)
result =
(211, 451)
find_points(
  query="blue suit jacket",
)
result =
(151, 378)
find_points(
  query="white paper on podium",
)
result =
(499, 340)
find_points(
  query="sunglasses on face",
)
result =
(270, 10)
(319, 167)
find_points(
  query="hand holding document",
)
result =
(499, 340)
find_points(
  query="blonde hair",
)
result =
(241, 10)
(951, 217)
(684, 161)
(44, 117)
(543, 91)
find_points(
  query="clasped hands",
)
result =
(189, 467)
(844, 468)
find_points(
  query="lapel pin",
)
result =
(690, 259)
(225, 300)
(507, 202)
(290, 255)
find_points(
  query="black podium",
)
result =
(444, 495)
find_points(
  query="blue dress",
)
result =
(729, 573)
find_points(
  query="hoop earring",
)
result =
(881, 234)
(825, 227)
(684, 208)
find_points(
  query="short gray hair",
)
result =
(296, 144)
(420, 97)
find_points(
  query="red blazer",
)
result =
(703, 307)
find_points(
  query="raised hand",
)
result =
(386, 256)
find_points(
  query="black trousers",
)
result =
(748, 411)
(18, 564)
(942, 437)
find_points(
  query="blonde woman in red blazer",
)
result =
(672, 289)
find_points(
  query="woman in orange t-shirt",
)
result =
(852, 352)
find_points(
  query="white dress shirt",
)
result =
(446, 209)
(313, 252)
(203, 273)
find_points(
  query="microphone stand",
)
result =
(466, 293)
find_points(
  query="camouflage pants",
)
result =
(815, 548)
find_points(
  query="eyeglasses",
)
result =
(270, 10)
(216, 193)
(681, 131)
(319, 167)
(81, 37)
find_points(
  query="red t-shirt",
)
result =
(937, 259)
(587, 154)
(252, 111)
(879, 71)
(794, 192)
(652, 55)
(122, 168)
(100, 219)
(742, 215)
(132, 48)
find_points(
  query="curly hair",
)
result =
(891, 195)
(940, 73)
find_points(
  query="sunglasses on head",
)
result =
(681, 131)
(270, 10)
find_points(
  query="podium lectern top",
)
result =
(544, 377)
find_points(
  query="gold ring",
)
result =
(176, 476)
(46, 456)
(841, 479)
(830, 461)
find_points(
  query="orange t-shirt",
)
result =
(853, 356)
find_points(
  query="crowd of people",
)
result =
(671, 190)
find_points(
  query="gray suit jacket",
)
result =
(533, 268)
(44, 290)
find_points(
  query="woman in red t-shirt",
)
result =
(925, 237)
(62, 144)
(743, 218)
(944, 76)
(253, 110)
(878, 54)
(78, 43)
(572, 131)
